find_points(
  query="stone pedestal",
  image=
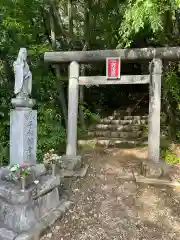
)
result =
(24, 213)
(151, 169)
(71, 162)
(23, 135)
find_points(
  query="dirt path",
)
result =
(107, 207)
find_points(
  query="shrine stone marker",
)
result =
(23, 120)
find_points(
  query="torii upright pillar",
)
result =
(73, 92)
(71, 160)
(154, 110)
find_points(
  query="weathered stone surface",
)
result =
(154, 110)
(115, 134)
(39, 170)
(6, 234)
(18, 217)
(24, 236)
(71, 162)
(23, 217)
(71, 173)
(47, 220)
(23, 136)
(48, 202)
(115, 142)
(73, 92)
(153, 169)
(19, 210)
(12, 194)
(48, 182)
(123, 122)
(4, 173)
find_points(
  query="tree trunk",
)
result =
(57, 71)
(83, 68)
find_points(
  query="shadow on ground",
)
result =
(108, 207)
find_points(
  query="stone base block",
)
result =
(40, 226)
(38, 170)
(71, 162)
(21, 211)
(151, 169)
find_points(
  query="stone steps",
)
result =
(123, 122)
(118, 127)
(127, 111)
(116, 134)
(120, 117)
(121, 128)
(113, 142)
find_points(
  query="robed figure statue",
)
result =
(23, 76)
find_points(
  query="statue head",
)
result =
(22, 55)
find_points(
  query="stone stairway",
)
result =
(119, 129)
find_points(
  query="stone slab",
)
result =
(21, 218)
(20, 210)
(47, 220)
(35, 232)
(10, 192)
(23, 136)
(70, 173)
(156, 181)
(48, 182)
(39, 170)
(47, 202)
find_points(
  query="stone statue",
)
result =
(23, 76)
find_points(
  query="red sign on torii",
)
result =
(113, 66)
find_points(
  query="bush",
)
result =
(4, 133)
(170, 157)
(51, 134)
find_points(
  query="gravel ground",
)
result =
(108, 207)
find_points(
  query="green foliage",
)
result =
(172, 84)
(145, 17)
(88, 115)
(51, 134)
(171, 96)
(170, 157)
(167, 152)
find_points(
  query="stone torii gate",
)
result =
(154, 55)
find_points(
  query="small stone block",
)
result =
(39, 170)
(4, 172)
(155, 169)
(71, 162)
